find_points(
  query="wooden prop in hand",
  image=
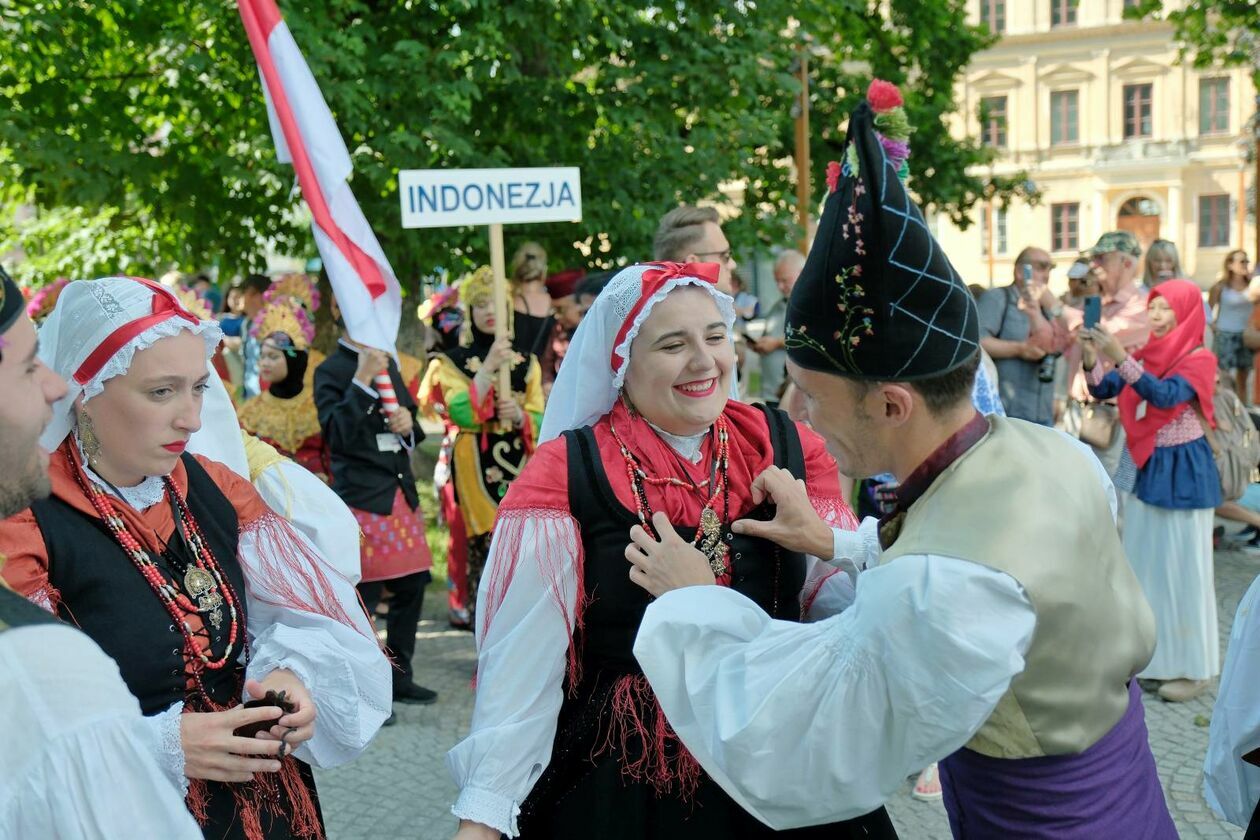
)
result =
(271, 698)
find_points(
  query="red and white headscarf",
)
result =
(95, 331)
(595, 366)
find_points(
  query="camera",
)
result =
(1045, 368)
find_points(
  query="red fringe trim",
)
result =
(665, 763)
(548, 552)
(262, 795)
(836, 512)
(293, 576)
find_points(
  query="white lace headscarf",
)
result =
(90, 316)
(594, 366)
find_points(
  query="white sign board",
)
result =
(456, 197)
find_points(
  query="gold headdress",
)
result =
(193, 304)
(477, 287)
(299, 287)
(284, 315)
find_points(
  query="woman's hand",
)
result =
(501, 353)
(509, 412)
(1089, 357)
(1107, 344)
(668, 564)
(796, 525)
(469, 830)
(212, 752)
(297, 726)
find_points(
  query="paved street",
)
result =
(400, 788)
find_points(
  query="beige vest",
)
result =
(1027, 502)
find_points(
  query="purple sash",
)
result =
(1110, 790)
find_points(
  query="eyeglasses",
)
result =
(723, 256)
(1040, 265)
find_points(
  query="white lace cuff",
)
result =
(488, 808)
(170, 744)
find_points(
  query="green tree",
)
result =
(137, 128)
(1211, 32)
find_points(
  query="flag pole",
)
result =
(500, 303)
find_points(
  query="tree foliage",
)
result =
(137, 129)
(1211, 32)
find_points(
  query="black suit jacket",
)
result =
(351, 418)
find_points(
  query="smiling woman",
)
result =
(177, 568)
(568, 739)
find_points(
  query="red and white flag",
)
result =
(306, 136)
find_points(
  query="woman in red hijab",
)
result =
(1165, 396)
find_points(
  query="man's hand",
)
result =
(1030, 352)
(668, 564)
(299, 725)
(401, 422)
(796, 525)
(371, 362)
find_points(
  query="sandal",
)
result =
(927, 788)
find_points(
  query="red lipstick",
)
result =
(177, 447)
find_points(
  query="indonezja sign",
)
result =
(456, 197)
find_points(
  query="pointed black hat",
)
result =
(878, 298)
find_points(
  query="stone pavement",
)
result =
(400, 787)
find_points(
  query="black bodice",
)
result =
(760, 570)
(106, 596)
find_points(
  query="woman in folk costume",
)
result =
(441, 313)
(177, 568)
(567, 738)
(1163, 389)
(284, 414)
(496, 431)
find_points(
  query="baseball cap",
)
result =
(1116, 240)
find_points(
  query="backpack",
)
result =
(1235, 442)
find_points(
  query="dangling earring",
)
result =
(88, 440)
(621, 394)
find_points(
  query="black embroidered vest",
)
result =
(103, 593)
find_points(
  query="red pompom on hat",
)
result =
(883, 96)
(833, 176)
(564, 283)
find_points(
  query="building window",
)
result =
(993, 15)
(1065, 227)
(993, 121)
(1213, 106)
(1137, 110)
(1063, 12)
(1213, 221)
(1064, 122)
(999, 235)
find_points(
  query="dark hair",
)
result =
(593, 284)
(941, 392)
(258, 282)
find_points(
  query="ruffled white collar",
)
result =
(141, 497)
(688, 446)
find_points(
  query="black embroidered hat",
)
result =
(12, 304)
(878, 298)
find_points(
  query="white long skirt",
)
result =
(1171, 554)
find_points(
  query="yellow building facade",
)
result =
(1114, 132)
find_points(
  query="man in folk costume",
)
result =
(369, 434)
(974, 638)
(69, 718)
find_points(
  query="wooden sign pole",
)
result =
(500, 303)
